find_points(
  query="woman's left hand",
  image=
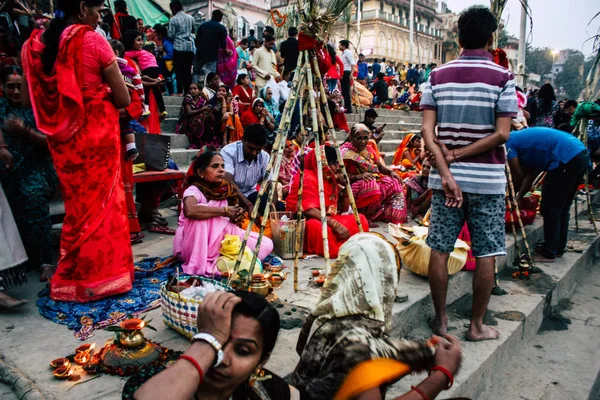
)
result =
(14, 124)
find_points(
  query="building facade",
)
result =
(383, 31)
(240, 15)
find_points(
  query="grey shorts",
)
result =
(484, 214)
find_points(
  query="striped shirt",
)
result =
(180, 30)
(469, 94)
(246, 175)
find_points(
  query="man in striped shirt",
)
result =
(472, 101)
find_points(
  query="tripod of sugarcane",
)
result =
(303, 79)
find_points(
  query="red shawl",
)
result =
(62, 90)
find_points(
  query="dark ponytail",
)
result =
(67, 8)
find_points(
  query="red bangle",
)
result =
(416, 389)
(196, 365)
(445, 372)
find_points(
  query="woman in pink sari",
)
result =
(378, 190)
(210, 211)
(69, 69)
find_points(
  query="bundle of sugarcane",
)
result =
(314, 29)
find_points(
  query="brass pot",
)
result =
(261, 288)
(131, 339)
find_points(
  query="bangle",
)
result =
(196, 365)
(419, 391)
(225, 211)
(445, 372)
(3, 146)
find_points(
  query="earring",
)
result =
(82, 16)
(258, 375)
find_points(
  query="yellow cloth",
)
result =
(415, 253)
(361, 95)
(137, 168)
(369, 375)
(230, 248)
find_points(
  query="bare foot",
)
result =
(439, 326)
(47, 272)
(540, 258)
(486, 333)
(7, 302)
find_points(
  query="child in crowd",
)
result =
(133, 81)
(134, 49)
(337, 110)
(194, 110)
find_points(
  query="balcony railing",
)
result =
(396, 19)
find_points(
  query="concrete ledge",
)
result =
(21, 386)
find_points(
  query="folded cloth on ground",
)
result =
(415, 253)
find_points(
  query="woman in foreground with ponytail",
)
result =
(75, 91)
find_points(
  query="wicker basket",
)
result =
(284, 233)
(180, 313)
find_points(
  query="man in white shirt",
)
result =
(264, 62)
(349, 65)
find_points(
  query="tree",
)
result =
(570, 79)
(538, 60)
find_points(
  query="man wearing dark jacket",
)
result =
(288, 49)
(211, 37)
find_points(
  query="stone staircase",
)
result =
(398, 124)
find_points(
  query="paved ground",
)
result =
(562, 361)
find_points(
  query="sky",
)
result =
(557, 24)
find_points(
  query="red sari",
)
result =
(313, 238)
(82, 126)
(244, 95)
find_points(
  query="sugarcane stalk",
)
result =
(283, 127)
(299, 208)
(335, 143)
(538, 181)
(315, 125)
(522, 266)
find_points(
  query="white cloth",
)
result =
(12, 252)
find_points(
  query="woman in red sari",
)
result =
(243, 91)
(68, 87)
(378, 191)
(339, 227)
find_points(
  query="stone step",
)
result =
(168, 125)
(410, 318)
(353, 118)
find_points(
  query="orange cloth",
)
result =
(369, 375)
(399, 155)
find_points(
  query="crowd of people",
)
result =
(86, 80)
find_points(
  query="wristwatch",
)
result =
(210, 339)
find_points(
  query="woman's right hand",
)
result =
(235, 214)
(366, 176)
(214, 315)
(448, 354)
(341, 231)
